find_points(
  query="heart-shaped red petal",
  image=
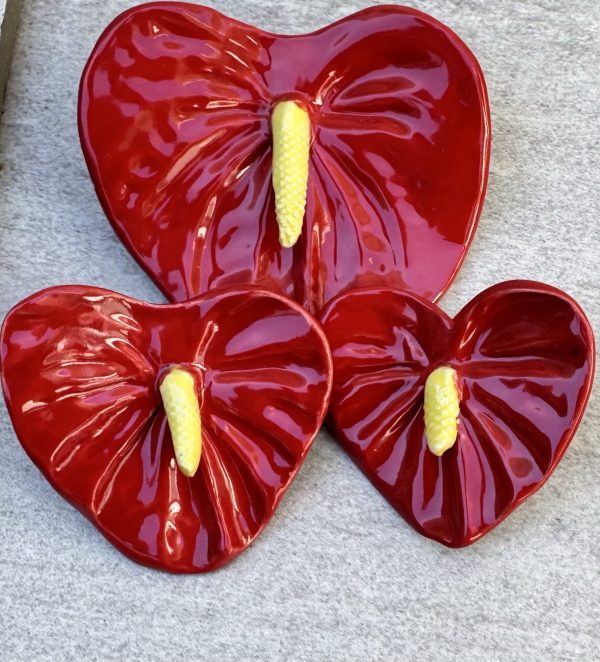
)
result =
(524, 356)
(80, 373)
(174, 114)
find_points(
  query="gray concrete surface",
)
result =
(337, 575)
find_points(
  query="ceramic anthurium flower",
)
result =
(175, 429)
(309, 163)
(457, 421)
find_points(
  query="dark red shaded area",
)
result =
(524, 355)
(80, 371)
(174, 116)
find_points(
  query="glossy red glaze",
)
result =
(524, 355)
(80, 370)
(174, 117)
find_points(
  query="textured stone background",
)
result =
(337, 575)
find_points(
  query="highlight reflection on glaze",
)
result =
(523, 356)
(81, 373)
(175, 121)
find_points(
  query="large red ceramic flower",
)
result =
(521, 356)
(82, 373)
(175, 121)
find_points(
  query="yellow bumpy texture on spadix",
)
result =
(178, 392)
(291, 142)
(442, 407)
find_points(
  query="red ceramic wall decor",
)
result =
(175, 122)
(523, 356)
(81, 372)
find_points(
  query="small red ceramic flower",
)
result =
(244, 376)
(456, 422)
(202, 134)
